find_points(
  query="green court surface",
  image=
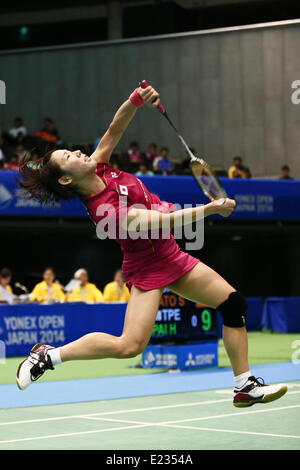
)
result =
(203, 420)
(264, 347)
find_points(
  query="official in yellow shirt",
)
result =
(116, 290)
(85, 291)
(5, 279)
(47, 291)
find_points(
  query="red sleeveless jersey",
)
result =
(152, 261)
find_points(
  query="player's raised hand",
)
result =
(224, 207)
(149, 95)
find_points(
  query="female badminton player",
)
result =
(150, 264)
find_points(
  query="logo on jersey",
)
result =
(123, 190)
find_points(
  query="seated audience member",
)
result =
(5, 279)
(237, 170)
(20, 151)
(47, 291)
(143, 170)
(49, 133)
(116, 290)
(85, 291)
(13, 163)
(184, 167)
(18, 129)
(162, 165)
(151, 154)
(133, 153)
(285, 173)
(2, 156)
(96, 142)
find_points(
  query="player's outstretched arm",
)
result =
(121, 121)
(143, 219)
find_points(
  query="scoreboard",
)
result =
(179, 320)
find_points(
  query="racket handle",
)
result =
(160, 107)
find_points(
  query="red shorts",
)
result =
(152, 270)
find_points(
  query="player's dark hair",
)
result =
(39, 179)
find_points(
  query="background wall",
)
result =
(229, 93)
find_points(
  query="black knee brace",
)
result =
(233, 310)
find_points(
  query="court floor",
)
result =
(204, 420)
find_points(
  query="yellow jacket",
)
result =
(111, 293)
(9, 289)
(232, 172)
(41, 293)
(87, 293)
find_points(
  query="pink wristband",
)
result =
(135, 99)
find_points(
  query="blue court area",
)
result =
(106, 388)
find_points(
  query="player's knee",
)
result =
(131, 349)
(233, 310)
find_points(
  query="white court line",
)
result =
(80, 433)
(117, 420)
(152, 408)
(232, 431)
(202, 418)
(227, 415)
(115, 412)
(169, 424)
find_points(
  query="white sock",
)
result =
(55, 356)
(241, 379)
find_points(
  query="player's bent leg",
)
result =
(138, 325)
(203, 285)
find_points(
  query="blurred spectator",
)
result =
(96, 142)
(18, 129)
(48, 291)
(13, 163)
(20, 151)
(162, 164)
(143, 170)
(86, 291)
(49, 132)
(237, 170)
(116, 290)
(134, 155)
(5, 279)
(285, 173)
(151, 154)
(2, 156)
(184, 166)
